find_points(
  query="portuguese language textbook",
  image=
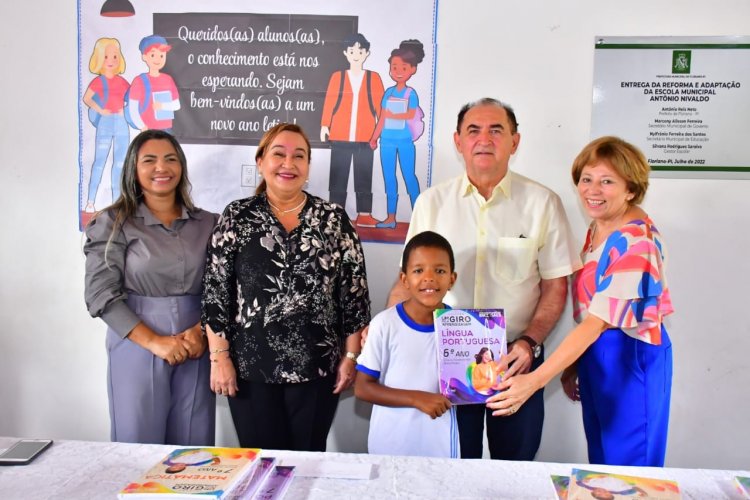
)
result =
(197, 473)
(471, 346)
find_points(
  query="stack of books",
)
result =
(219, 473)
(590, 485)
(743, 486)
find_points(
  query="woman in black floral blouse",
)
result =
(285, 299)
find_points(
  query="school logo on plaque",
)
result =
(681, 62)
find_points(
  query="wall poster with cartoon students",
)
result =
(357, 76)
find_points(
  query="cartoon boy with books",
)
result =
(153, 97)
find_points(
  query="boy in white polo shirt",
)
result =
(398, 370)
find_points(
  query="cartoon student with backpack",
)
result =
(153, 97)
(350, 109)
(400, 124)
(104, 97)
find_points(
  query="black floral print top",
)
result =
(285, 301)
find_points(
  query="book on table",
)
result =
(586, 485)
(743, 485)
(198, 473)
(560, 484)
(254, 480)
(472, 349)
(276, 483)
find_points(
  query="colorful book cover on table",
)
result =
(743, 485)
(275, 486)
(590, 485)
(194, 473)
(471, 347)
(560, 483)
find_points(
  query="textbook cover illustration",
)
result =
(471, 353)
(200, 473)
(586, 485)
(743, 485)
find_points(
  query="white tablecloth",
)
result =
(93, 470)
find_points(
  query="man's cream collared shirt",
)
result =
(503, 246)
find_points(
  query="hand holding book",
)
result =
(514, 392)
(433, 405)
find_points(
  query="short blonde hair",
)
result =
(97, 56)
(627, 160)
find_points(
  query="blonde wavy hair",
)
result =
(97, 56)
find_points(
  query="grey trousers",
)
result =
(150, 401)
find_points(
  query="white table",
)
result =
(93, 470)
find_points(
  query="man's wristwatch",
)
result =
(352, 355)
(536, 349)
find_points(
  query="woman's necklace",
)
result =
(282, 212)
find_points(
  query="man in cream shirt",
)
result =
(514, 250)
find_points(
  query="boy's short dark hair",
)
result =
(429, 239)
(356, 38)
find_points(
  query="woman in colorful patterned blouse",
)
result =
(285, 299)
(619, 357)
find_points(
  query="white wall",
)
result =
(536, 55)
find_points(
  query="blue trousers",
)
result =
(404, 150)
(516, 437)
(150, 401)
(625, 386)
(112, 129)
